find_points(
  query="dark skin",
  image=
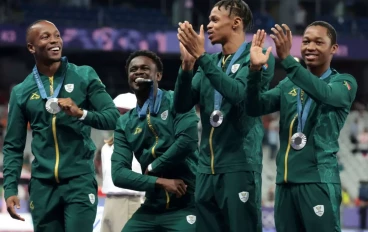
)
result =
(145, 67)
(224, 29)
(316, 49)
(42, 39)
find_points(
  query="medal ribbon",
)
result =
(218, 97)
(303, 112)
(154, 105)
(41, 87)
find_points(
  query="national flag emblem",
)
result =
(347, 85)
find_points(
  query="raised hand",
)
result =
(283, 41)
(257, 57)
(193, 42)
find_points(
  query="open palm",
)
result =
(185, 56)
(257, 57)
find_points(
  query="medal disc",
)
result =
(298, 141)
(216, 118)
(52, 106)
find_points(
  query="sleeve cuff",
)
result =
(152, 181)
(203, 60)
(288, 62)
(10, 193)
(85, 112)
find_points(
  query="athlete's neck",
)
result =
(48, 69)
(142, 96)
(233, 44)
(320, 70)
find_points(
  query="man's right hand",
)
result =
(187, 59)
(12, 202)
(175, 186)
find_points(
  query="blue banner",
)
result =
(111, 39)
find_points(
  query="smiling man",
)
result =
(61, 101)
(228, 192)
(164, 143)
(313, 104)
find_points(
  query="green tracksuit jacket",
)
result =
(237, 144)
(332, 99)
(61, 144)
(166, 140)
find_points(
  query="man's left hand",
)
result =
(282, 41)
(192, 42)
(69, 107)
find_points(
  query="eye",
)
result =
(319, 43)
(305, 42)
(45, 37)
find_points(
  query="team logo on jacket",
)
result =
(164, 115)
(92, 198)
(235, 68)
(69, 87)
(244, 196)
(191, 219)
(319, 210)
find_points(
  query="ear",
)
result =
(31, 48)
(158, 76)
(237, 22)
(334, 49)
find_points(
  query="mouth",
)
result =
(55, 50)
(310, 57)
(210, 34)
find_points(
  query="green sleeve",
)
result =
(187, 89)
(340, 92)
(14, 143)
(233, 89)
(121, 164)
(186, 141)
(261, 103)
(104, 114)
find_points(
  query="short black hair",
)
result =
(153, 56)
(238, 8)
(31, 25)
(331, 32)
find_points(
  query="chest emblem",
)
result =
(69, 87)
(164, 115)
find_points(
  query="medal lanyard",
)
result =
(150, 105)
(217, 95)
(41, 87)
(303, 112)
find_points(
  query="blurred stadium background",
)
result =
(102, 33)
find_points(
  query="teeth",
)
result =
(55, 49)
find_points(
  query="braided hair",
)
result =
(240, 9)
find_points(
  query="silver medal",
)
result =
(298, 141)
(216, 118)
(52, 106)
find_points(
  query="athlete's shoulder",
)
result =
(345, 76)
(83, 71)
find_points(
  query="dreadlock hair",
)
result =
(146, 53)
(240, 9)
(31, 25)
(331, 32)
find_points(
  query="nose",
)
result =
(209, 25)
(54, 39)
(311, 46)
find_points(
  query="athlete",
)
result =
(228, 191)
(313, 103)
(61, 101)
(165, 143)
